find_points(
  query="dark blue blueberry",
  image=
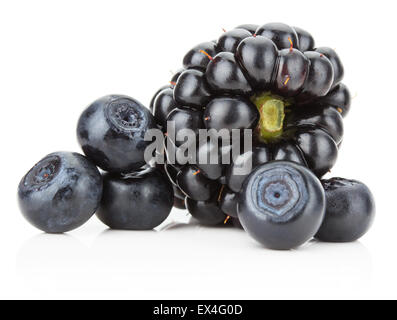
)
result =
(137, 201)
(111, 133)
(281, 205)
(350, 210)
(60, 193)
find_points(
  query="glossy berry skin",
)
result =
(151, 104)
(192, 89)
(185, 118)
(229, 41)
(224, 75)
(195, 59)
(195, 185)
(60, 193)
(211, 168)
(206, 212)
(350, 211)
(280, 34)
(281, 205)
(238, 171)
(259, 57)
(138, 201)
(339, 98)
(111, 133)
(230, 113)
(336, 62)
(228, 202)
(306, 40)
(163, 104)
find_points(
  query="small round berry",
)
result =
(138, 201)
(281, 205)
(111, 132)
(349, 212)
(60, 193)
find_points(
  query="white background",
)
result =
(58, 56)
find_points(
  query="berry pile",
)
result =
(64, 189)
(270, 84)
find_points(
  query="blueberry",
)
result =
(60, 193)
(137, 201)
(350, 210)
(111, 133)
(281, 205)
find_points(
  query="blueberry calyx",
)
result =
(125, 115)
(42, 173)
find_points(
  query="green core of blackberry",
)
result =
(272, 109)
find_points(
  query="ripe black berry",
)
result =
(271, 79)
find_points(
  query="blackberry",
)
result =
(271, 79)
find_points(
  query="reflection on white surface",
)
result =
(187, 261)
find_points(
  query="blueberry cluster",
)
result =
(64, 189)
(275, 82)
(268, 85)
